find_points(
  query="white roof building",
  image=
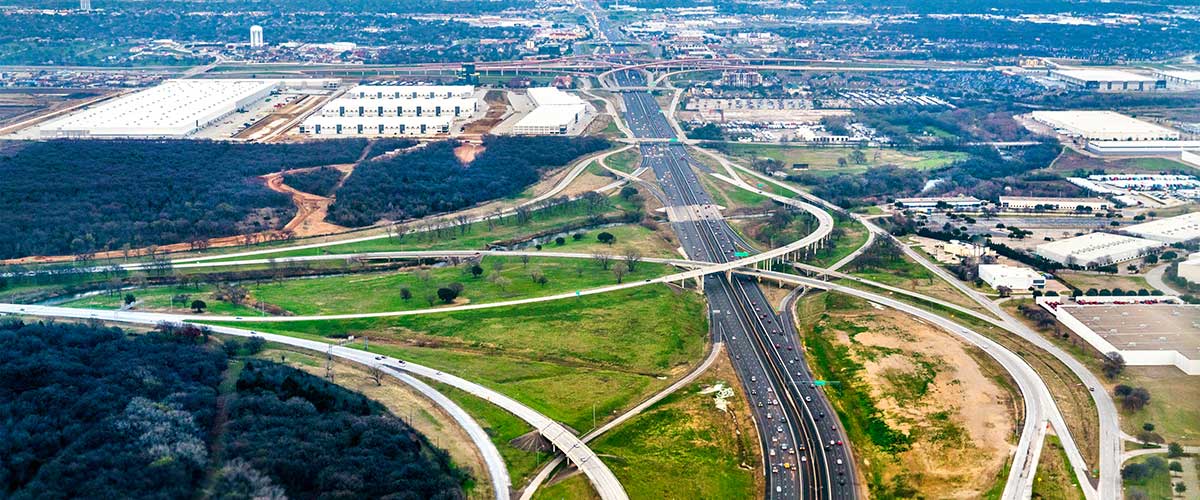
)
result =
(1108, 80)
(1013, 278)
(175, 109)
(458, 107)
(1104, 126)
(409, 91)
(1177, 229)
(376, 126)
(957, 202)
(544, 120)
(1053, 204)
(1097, 249)
(1176, 78)
(556, 112)
(1114, 148)
(1190, 269)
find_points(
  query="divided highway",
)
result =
(804, 449)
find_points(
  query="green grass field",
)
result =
(1155, 487)
(852, 236)
(381, 291)
(558, 357)
(159, 299)
(683, 436)
(502, 427)
(626, 161)
(825, 159)
(1055, 479)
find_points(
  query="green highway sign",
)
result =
(741, 254)
(818, 382)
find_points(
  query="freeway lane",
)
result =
(804, 451)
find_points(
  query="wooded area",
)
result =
(87, 413)
(80, 196)
(432, 180)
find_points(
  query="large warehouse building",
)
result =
(1104, 126)
(1097, 249)
(175, 109)
(1108, 80)
(1178, 229)
(395, 110)
(1180, 79)
(556, 113)
(1145, 331)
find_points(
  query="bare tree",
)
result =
(375, 373)
(604, 259)
(632, 257)
(525, 260)
(619, 270)
(424, 275)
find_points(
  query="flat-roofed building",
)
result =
(375, 126)
(1097, 249)
(1108, 80)
(1145, 331)
(1104, 126)
(458, 107)
(409, 91)
(555, 113)
(1013, 278)
(1179, 78)
(1189, 269)
(941, 202)
(551, 120)
(1054, 204)
(175, 109)
(1141, 148)
(1177, 229)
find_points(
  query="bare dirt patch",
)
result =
(311, 209)
(466, 152)
(932, 388)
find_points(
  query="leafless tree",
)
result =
(525, 260)
(632, 257)
(375, 373)
(604, 259)
(619, 270)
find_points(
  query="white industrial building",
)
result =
(555, 113)
(457, 107)
(1145, 331)
(1141, 148)
(1013, 278)
(1107, 80)
(1177, 229)
(1097, 249)
(1179, 78)
(175, 109)
(1053, 204)
(1103, 126)
(395, 110)
(1189, 269)
(417, 126)
(256, 36)
(409, 91)
(932, 203)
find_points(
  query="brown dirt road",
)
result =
(311, 209)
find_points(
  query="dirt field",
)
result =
(404, 402)
(958, 417)
(311, 209)
(467, 152)
(497, 102)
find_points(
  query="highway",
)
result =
(803, 447)
(578, 453)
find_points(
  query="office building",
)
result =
(1013, 278)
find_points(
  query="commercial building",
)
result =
(374, 126)
(409, 91)
(1103, 126)
(1189, 269)
(556, 113)
(175, 109)
(1146, 182)
(395, 110)
(1141, 148)
(1179, 79)
(941, 202)
(1054, 204)
(1145, 331)
(458, 107)
(954, 251)
(1177, 229)
(1108, 80)
(1190, 157)
(1097, 249)
(1013, 278)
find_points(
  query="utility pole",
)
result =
(329, 363)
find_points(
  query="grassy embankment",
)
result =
(824, 160)
(558, 357)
